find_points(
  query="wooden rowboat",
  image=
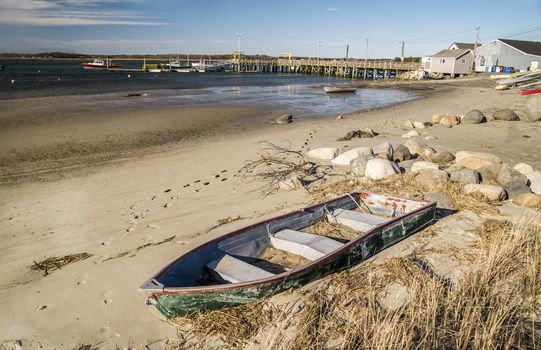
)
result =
(339, 89)
(237, 268)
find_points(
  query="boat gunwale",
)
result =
(427, 205)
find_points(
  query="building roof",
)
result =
(464, 46)
(455, 53)
(528, 47)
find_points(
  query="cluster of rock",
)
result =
(420, 75)
(476, 117)
(478, 172)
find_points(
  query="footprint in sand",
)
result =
(154, 227)
(81, 281)
(206, 183)
(224, 171)
(108, 297)
(187, 185)
(168, 205)
(217, 176)
(132, 227)
(167, 190)
(41, 307)
(196, 181)
(224, 179)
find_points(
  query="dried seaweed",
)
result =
(56, 263)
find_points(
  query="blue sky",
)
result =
(268, 27)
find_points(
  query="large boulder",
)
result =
(442, 200)
(384, 150)
(418, 147)
(505, 114)
(442, 157)
(379, 168)
(421, 165)
(466, 176)
(523, 168)
(475, 160)
(491, 192)
(506, 175)
(358, 165)
(284, 119)
(406, 165)
(474, 116)
(322, 153)
(528, 200)
(535, 181)
(514, 190)
(345, 158)
(401, 153)
(432, 179)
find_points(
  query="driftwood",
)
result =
(277, 165)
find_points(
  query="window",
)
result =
(442, 60)
(463, 60)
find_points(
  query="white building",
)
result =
(516, 54)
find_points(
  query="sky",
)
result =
(302, 27)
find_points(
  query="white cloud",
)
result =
(332, 9)
(68, 13)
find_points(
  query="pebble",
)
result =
(418, 125)
(168, 205)
(535, 181)
(474, 116)
(505, 114)
(432, 179)
(346, 157)
(514, 190)
(411, 133)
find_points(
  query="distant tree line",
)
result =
(408, 59)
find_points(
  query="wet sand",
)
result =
(179, 190)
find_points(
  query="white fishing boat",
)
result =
(155, 70)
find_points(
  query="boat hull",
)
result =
(339, 90)
(181, 302)
(99, 66)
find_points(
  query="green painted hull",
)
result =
(180, 303)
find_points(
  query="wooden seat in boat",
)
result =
(307, 245)
(355, 220)
(233, 270)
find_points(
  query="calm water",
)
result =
(281, 91)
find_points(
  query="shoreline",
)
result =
(112, 210)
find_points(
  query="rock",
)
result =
(442, 157)
(514, 190)
(284, 119)
(401, 153)
(489, 174)
(340, 117)
(535, 181)
(362, 133)
(322, 153)
(417, 146)
(430, 137)
(379, 168)
(491, 192)
(441, 198)
(436, 118)
(530, 117)
(406, 165)
(428, 124)
(475, 160)
(505, 114)
(432, 179)
(449, 120)
(408, 124)
(474, 116)
(422, 165)
(358, 165)
(384, 150)
(466, 176)
(506, 175)
(411, 133)
(528, 200)
(346, 157)
(418, 125)
(523, 168)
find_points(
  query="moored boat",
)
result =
(101, 64)
(339, 89)
(249, 264)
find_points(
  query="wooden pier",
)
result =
(354, 69)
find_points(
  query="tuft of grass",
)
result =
(496, 304)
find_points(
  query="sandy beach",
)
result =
(136, 189)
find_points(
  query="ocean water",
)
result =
(291, 92)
